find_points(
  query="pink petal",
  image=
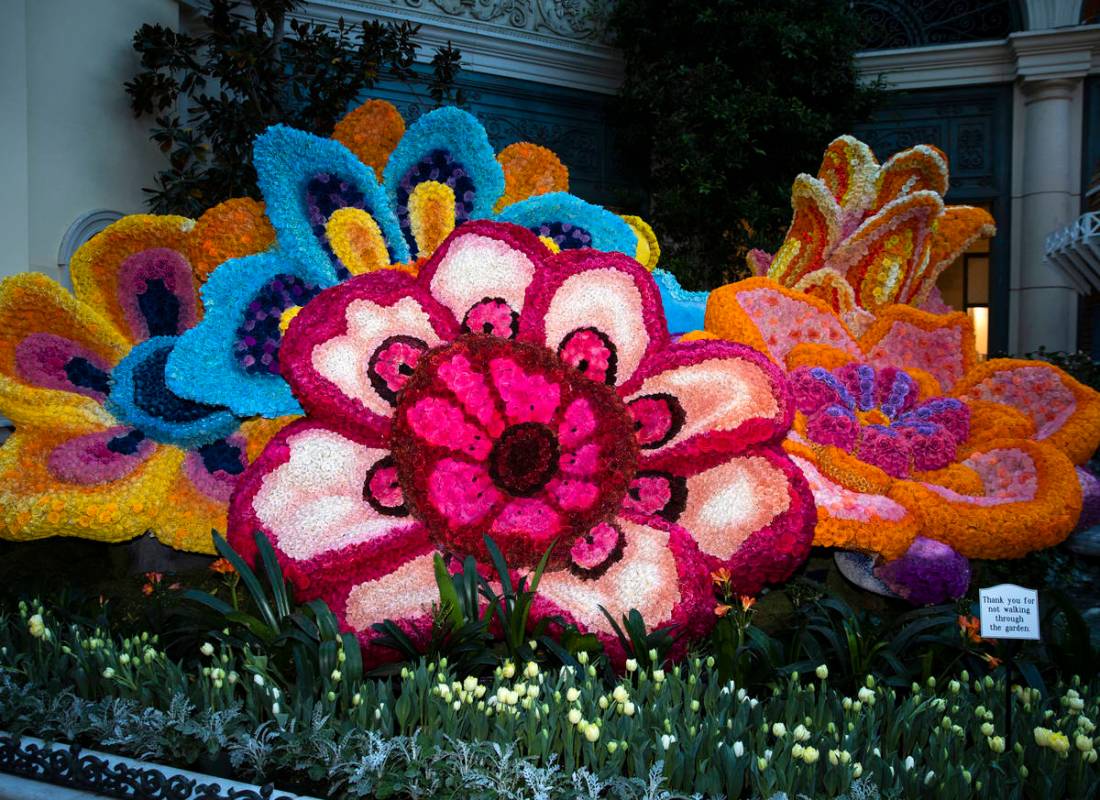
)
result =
(607, 293)
(461, 492)
(470, 389)
(483, 261)
(939, 351)
(402, 590)
(578, 423)
(659, 573)
(330, 353)
(573, 495)
(440, 423)
(720, 398)
(785, 321)
(530, 520)
(727, 504)
(583, 461)
(527, 397)
(88, 459)
(306, 493)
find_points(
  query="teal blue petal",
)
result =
(141, 398)
(448, 146)
(231, 357)
(571, 223)
(304, 179)
(684, 310)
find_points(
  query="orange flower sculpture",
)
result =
(866, 236)
(904, 435)
(916, 452)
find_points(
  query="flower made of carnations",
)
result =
(102, 448)
(333, 219)
(906, 437)
(535, 398)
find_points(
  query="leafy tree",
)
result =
(725, 101)
(209, 95)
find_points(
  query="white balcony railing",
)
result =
(1075, 250)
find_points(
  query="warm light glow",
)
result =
(979, 315)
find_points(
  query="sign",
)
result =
(1009, 611)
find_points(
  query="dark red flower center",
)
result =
(524, 458)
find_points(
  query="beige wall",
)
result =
(68, 142)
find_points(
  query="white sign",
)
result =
(1009, 612)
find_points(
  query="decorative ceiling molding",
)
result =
(555, 42)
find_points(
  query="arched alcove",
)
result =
(79, 231)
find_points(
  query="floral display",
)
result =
(535, 397)
(333, 219)
(917, 452)
(903, 434)
(102, 448)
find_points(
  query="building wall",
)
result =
(68, 141)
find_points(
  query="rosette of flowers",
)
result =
(916, 451)
(333, 218)
(102, 448)
(538, 398)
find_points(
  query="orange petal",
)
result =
(371, 131)
(814, 228)
(990, 421)
(920, 168)
(32, 305)
(953, 232)
(1064, 413)
(879, 258)
(830, 286)
(849, 169)
(818, 355)
(852, 519)
(770, 318)
(1032, 500)
(95, 266)
(940, 344)
(232, 229)
(530, 170)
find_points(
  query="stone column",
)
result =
(1046, 300)
(1050, 70)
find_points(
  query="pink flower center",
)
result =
(493, 436)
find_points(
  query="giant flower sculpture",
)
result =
(916, 452)
(537, 398)
(333, 219)
(102, 449)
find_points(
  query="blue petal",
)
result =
(448, 146)
(141, 398)
(572, 223)
(291, 167)
(684, 310)
(209, 362)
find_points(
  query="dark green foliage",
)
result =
(210, 95)
(474, 624)
(726, 101)
(299, 642)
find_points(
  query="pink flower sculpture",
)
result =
(536, 398)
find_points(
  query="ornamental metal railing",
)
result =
(1075, 250)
